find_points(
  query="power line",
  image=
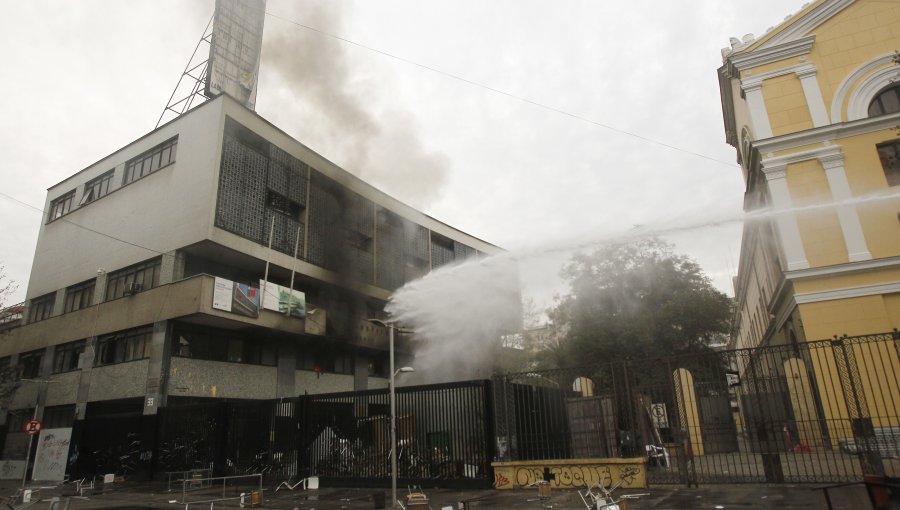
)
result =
(89, 229)
(504, 93)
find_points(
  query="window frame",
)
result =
(96, 188)
(150, 161)
(30, 363)
(118, 281)
(79, 292)
(124, 346)
(890, 165)
(878, 100)
(41, 307)
(61, 206)
(65, 356)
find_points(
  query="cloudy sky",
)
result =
(533, 125)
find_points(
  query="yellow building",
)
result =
(813, 109)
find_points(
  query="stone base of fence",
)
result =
(629, 473)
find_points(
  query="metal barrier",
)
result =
(823, 411)
(210, 481)
(188, 475)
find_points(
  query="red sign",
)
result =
(32, 427)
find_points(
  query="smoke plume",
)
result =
(336, 109)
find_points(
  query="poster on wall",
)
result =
(279, 299)
(12, 469)
(52, 454)
(237, 298)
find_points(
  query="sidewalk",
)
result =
(749, 496)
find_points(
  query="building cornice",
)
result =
(771, 54)
(775, 167)
(846, 293)
(843, 269)
(827, 133)
(806, 23)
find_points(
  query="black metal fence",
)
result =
(823, 411)
(444, 436)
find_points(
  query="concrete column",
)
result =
(360, 372)
(59, 303)
(785, 219)
(851, 228)
(287, 366)
(100, 287)
(84, 378)
(752, 88)
(158, 369)
(813, 93)
(171, 267)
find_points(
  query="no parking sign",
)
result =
(32, 427)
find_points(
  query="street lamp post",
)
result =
(393, 398)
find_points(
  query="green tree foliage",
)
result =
(636, 300)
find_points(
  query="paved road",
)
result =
(730, 497)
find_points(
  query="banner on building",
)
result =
(52, 454)
(280, 299)
(237, 298)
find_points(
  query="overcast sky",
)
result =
(505, 119)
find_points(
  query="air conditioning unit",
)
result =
(133, 288)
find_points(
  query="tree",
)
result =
(9, 380)
(635, 300)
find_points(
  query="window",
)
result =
(65, 356)
(41, 307)
(283, 204)
(889, 153)
(61, 206)
(128, 345)
(17, 419)
(887, 101)
(56, 417)
(158, 157)
(79, 296)
(30, 364)
(133, 279)
(199, 342)
(96, 188)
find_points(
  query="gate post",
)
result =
(857, 408)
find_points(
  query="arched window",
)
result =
(887, 101)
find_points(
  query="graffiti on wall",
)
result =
(510, 475)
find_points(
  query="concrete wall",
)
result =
(309, 382)
(202, 378)
(165, 210)
(122, 380)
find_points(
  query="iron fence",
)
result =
(444, 436)
(823, 411)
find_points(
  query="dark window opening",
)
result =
(41, 307)
(889, 154)
(96, 188)
(887, 101)
(133, 279)
(283, 204)
(65, 356)
(198, 342)
(128, 345)
(61, 206)
(150, 161)
(79, 296)
(30, 364)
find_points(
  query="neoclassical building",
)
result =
(813, 110)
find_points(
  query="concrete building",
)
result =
(143, 252)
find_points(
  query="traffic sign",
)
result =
(32, 427)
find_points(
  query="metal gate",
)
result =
(444, 436)
(823, 411)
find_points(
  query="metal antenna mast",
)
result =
(191, 85)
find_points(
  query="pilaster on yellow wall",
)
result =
(820, 229)
(688, 412)
(786, 104)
